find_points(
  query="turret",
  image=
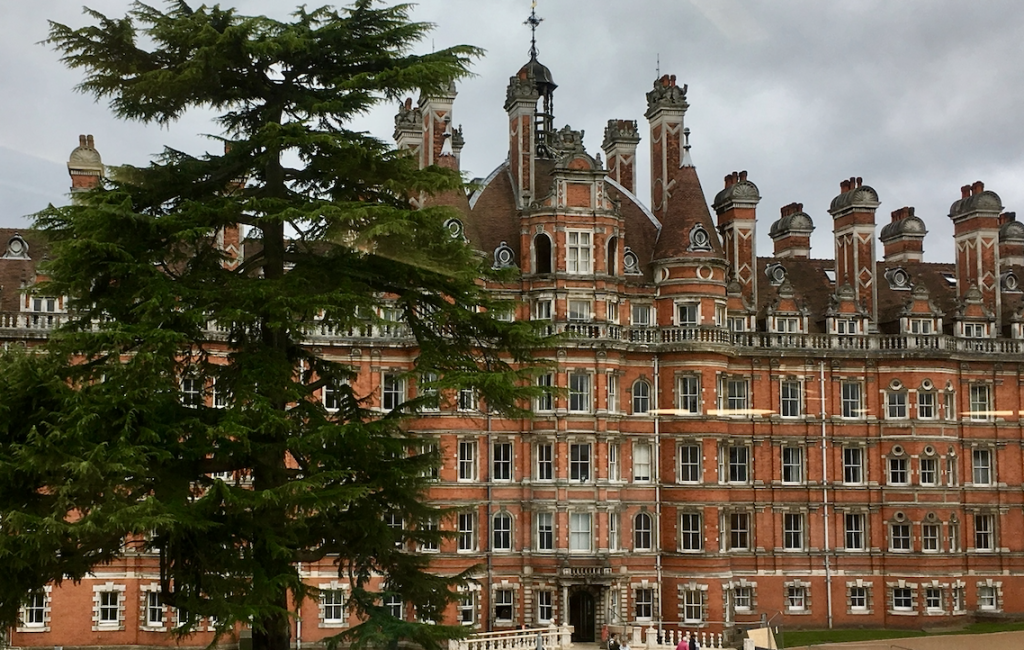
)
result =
(976, 233)
(620, 140)
(736, 206)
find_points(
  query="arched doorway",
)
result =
(581, 615)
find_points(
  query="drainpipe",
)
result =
(298, 616)
(656, 471)
(490, 534)
(824, 491)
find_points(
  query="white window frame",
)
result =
(545, 402)
(690, 462)
(853, 466)
(502, 463)
(581, 398)
(927, 409)
(467, 542)
(897, 470)
(982, 466)
(687, 314)
(545, 607)
(852, 400)
(900, 537)
(791, 399)
(688, 394)
(545, 531)
(467, 461)
(581, 533)
(643, 600)
(794, 531)
(693, 607)
(579, 310)
(980, 404)
(691, 532)
(896, 405)
(984, 532)
(902, 599)
(643, 532)
(581, 462)
(931, 538)
(545, 465)
(792, 465)
(501, 532)
(579, 252)
(642, 397)
(855, 531)
(643, 463)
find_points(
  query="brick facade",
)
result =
(838, 440)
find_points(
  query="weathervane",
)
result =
(533, 21)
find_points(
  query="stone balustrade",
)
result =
(553, 637)
(38, 324)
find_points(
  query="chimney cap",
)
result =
(738, 192)
(974, 198)
(853, 194)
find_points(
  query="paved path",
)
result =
(996, 641)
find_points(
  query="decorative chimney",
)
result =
(853, 215)
(409, 127)
(736, 207)
(436, 116)
(666, 106)
(620, 140)
(792, 233)
(1011, 241)
(85, 165)
(976, 233)
(903, 237)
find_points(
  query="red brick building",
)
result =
(838, 440)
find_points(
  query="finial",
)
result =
(686, 161)
(533, 21)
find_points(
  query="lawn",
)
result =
(796, 638)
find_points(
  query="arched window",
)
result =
(642, 532)
(541, 253)
(612, 267)
(641, 397)
(502, 532)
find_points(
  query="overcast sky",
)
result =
(918, 97)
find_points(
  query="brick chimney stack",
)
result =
(853, 225)
(1011, 241)
(976, 233)
(85, 165)
(409, 127)
(736, 207)
(666, 106)
(792, 233)
(903, 237)
(620, 140)
(436, 116)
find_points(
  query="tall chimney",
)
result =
(85, 165)
(409, 127)
(853, 226)
(976, 233)
(436, 114)
(792, 233)
(1011, 241)
(620, 140)
(903, 237)
(736, 207)
(666, 106)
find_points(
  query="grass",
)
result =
(796, 638)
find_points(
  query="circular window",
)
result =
(900, 278)
(503, 255)
(700, 240)
(631, 261)
(454, 227)
(1010, 282)
(777, 274)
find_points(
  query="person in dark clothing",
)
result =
(693, 642)
(613, 642)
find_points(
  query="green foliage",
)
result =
(98, 446)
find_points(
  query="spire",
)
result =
(533, 21)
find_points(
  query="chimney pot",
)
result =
(89, 142)
(844, 186)
(81, 140)
(743, 175)
(1007, 217)
(965, 191)
(977, 188)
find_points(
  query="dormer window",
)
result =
(974, 330)
(454, 228)
(17, 249)
(504, 257)
(847, 326)
(786, 324)
(899, 279)
(776, 274)
(921, 325)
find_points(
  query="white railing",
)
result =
(539, 638)
(12, 323)
(648, 638)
